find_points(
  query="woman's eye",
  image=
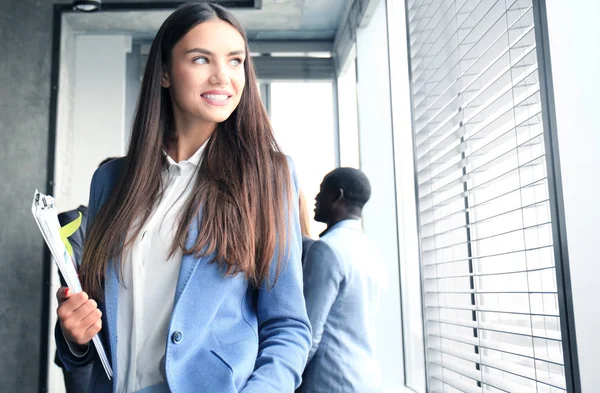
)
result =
(201, 60)
(235, 62)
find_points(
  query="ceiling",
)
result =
(283, 20)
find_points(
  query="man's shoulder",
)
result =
(307, 241)
(324, 258)
(106, 176)
(321, 246)
(111, 170)
(68, 216)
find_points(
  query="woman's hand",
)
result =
(79, 317)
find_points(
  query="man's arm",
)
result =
(322, 278)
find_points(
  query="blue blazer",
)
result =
(224, 336)
(344, 277)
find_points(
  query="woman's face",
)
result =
(206, 77)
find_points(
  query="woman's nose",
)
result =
(220, 77)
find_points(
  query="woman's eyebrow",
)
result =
(207, 52)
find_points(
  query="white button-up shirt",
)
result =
(149, 281)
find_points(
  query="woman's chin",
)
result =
(215, 115)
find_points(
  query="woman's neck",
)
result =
(190, 136)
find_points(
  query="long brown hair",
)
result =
(243, 184)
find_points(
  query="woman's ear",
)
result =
(165, 81)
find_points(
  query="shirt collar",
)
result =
(350, 223)
(195, 159)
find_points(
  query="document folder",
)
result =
(46, 217)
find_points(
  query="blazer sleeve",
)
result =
(68, 357)
(323, 276)
(283, 328)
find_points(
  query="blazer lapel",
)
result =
(188, 263)
(209, 278)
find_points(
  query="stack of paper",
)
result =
(46, 217)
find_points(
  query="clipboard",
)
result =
(46, 217)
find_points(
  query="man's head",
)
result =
(344, 192)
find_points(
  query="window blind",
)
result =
(491, 310)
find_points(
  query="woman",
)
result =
(193, 257)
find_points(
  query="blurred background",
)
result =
(475, 121)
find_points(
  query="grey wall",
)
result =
(25, 61)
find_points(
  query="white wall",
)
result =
(98, 109)
(376, 160)
(575, 57)
(64, 119)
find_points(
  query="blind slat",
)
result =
(484, 202)
(497, 161)
(477, 309)
(484, 256)
(522, 369)
(487, 183)
(502, 328)
(479, 239)
(457, 384)
(459, 162)
(499, 112)
(481, 220)
(496, 382)
(468, 372)
(499, 346)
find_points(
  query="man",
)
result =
(343, 278)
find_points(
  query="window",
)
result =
(491, 309)
(302, 118)
(408, 240)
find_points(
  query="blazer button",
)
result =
(176, 337)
